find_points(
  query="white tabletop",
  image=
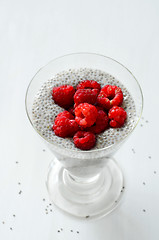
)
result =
(34, 32)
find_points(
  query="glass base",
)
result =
(86, 198)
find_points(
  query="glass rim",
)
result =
(78, 150)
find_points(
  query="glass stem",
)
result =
(84, 180)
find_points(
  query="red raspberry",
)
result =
(117, 116)
(88, 84)
(63, 95)
(86, 96)
(84, 140)
(65, 125)
(101, 123)
(110, 96)
(64, 114)
(85, 114)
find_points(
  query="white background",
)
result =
(34, 32)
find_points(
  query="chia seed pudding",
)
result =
(44, 109)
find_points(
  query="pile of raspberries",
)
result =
(89, 110)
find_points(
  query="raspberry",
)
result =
(85, 114)
(88, 84)
(84, 140)
(86, 96)
(63, 95)
(117, 116)
(110, 96)
(65, 125)
(65, 114)
(101, 123)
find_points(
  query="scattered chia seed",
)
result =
(44, 150)
(58, 231)
(154, 172)
(87, 216)
(3, 222)
(11, 228)
(43, 199)
(144, 210)
(13, 215)
(144, 183)
(16, 162)
(149, 157)
(71, 230)
(20, 192)
(77, 231)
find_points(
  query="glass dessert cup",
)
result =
(85, 183)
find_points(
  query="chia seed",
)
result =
(44, 109)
